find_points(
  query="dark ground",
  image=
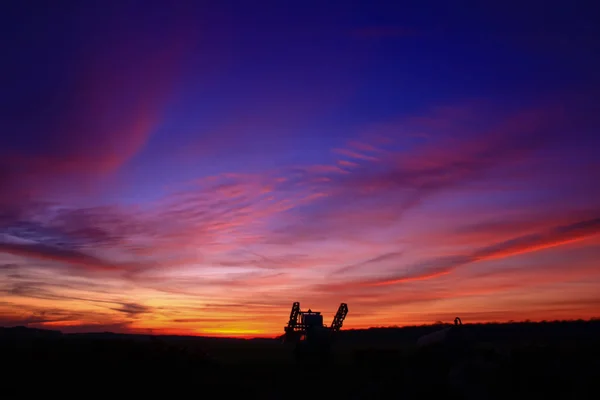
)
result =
(524, 360)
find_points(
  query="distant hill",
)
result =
(488, 331)
(492, 332)
(23, 332)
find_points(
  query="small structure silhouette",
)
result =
(305, 329)
(447, 335)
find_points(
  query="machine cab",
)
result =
(311, 319)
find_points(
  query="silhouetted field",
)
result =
(522, 360)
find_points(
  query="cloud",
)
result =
(557, 236)
(354, 155)
(411, 210)
(133, 309)
(64, 302)
(554, 237)
(499, 286)
(34, 286)
(399, 178)
(333, 202)
(55, 254)
(220, 213)
(375, 260)
(48, 318)
(69, 131)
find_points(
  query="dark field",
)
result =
(525, 360)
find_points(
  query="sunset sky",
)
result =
(196, 167)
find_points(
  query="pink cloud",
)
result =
(104, 116)
(438, 267)
(323, 232)
(354, 154)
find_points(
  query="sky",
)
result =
(197, 167)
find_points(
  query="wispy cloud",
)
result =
(437, 267)
(358, 226)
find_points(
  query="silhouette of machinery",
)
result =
(306, 330)
(449, 336)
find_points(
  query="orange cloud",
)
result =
(557, 236)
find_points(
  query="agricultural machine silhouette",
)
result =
(306, 331)
(449, 336)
